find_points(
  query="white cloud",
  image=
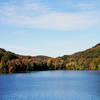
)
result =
(37, 15)
(87, 5)
(24, 50)
(64, 21)
(56, 21)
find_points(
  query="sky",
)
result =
(49, 27)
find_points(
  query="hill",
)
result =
(85, 60)
(88, 59)
(89, 53)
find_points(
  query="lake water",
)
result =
(51, 85)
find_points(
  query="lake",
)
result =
(51, 85)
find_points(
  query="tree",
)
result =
(9, 56)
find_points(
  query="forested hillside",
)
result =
(14, 63)
(86, 60)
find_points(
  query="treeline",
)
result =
(12, 63)
(27, 64)
(86, 60)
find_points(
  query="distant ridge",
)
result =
(42, 57)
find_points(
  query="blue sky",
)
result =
(49, 27)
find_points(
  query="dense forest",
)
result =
(14, 63)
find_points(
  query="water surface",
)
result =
(51, 85)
